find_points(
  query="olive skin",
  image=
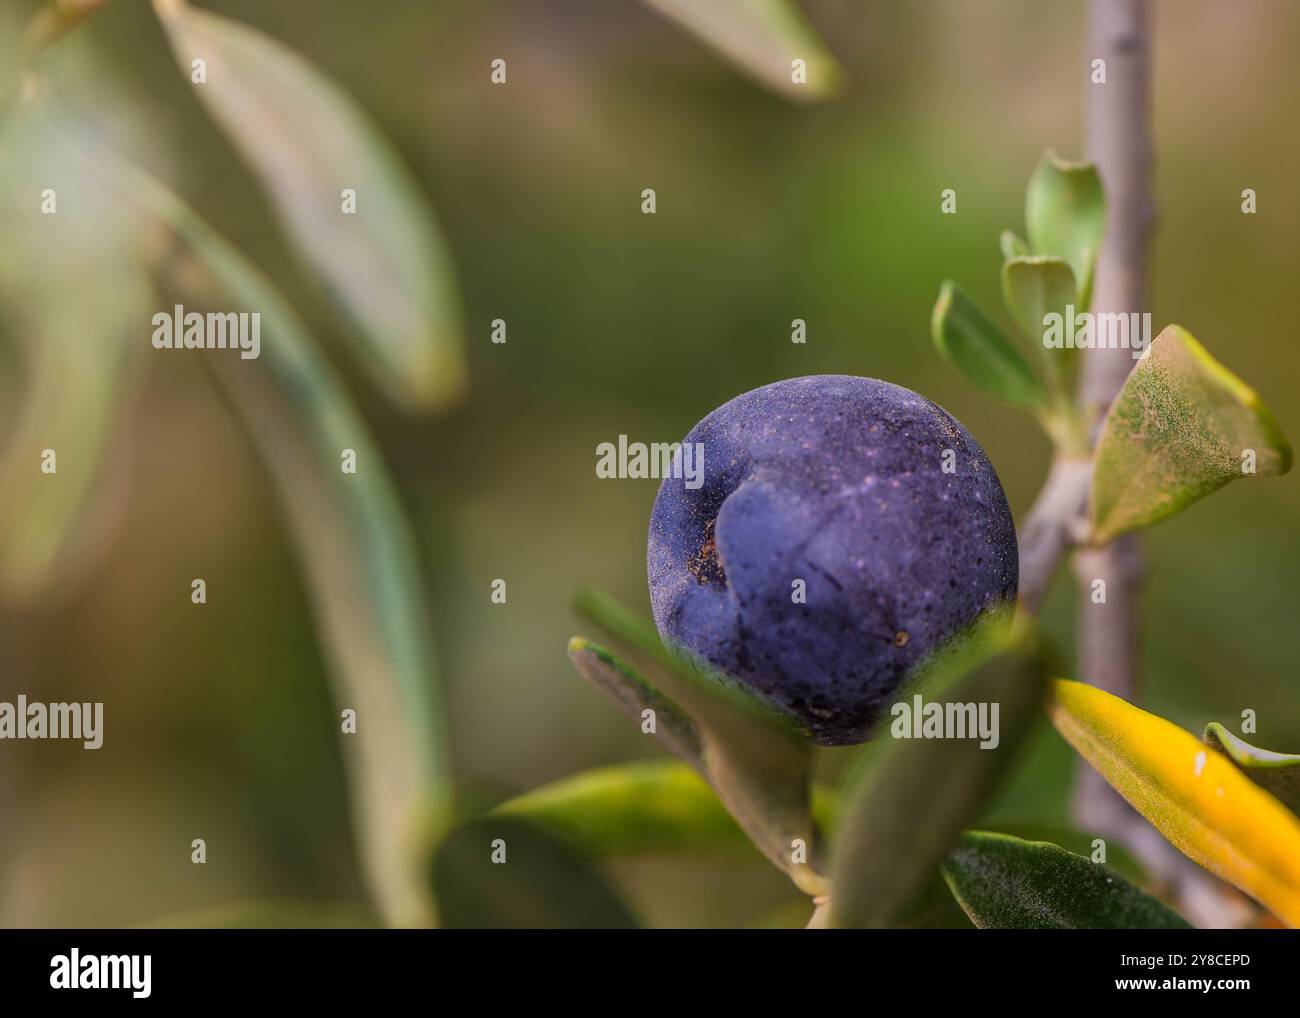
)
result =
(845, 528)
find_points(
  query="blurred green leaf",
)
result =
(763, 776)
(644, 807)
(1182, 427)
(1195, 797)
(899, 820)
(385, 265)
(82, 364)
(73, 286)
(1065, 215)
(759, 765)
(537, 882)
(934, 909)
(1012, 245)
(1277, 773)
(356, 549)
(1035, 286)
(1004, 883)
(763, 38)
(966, 337)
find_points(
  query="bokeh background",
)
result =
(219, 720)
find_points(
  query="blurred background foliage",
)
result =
(219, 720)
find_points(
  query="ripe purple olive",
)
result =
(845, 527)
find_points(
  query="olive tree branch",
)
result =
(1109, 577)
(1117, 126)
(1118, 142)
(1054, 525)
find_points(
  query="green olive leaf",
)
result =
(1278, 773)
(763, 38)
(1182, 427)
(899, 818)
(1005, 883)
(356, 550)
(1065, 215)
(1035, 286)
(963, 334)
(313, 148)
(505, 872)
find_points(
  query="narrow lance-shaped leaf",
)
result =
(349, 205)
(1193, 795)
(1035, 287)
(1065, 215)
(762, 775)
(1278, 773)
(634, 695)
(643, 807)
(1005, 883)
(963, 334)
(759, 765)
(763, 38)
(639, 634)
(1182, 427)
(898, 822)
(359, 557)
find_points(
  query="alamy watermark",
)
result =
(685, 462)
(77, 971)
(24, 720)
(935, 720)
(1104, 330)
(220, 330)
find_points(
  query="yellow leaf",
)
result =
(1193, 794)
